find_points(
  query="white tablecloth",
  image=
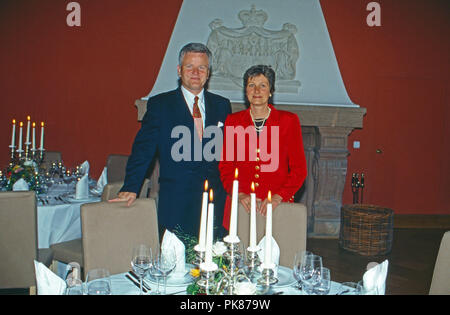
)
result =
(59, 221)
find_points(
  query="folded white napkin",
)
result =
(102, 180)
(171, 241)
(374, 279)
(82, 187)
(21, 185)
(84, 168)
(275, 253)
(47, 282)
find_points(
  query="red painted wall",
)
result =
(83, 81)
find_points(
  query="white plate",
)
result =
(71, 198)
(285, 277)
(174, 281)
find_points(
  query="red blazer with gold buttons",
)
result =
(274, 160)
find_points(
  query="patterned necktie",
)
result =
(197, 118)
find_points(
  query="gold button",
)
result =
(257, 159)
(256, 176)
(256, 184)
(257, 167)
(257, 150)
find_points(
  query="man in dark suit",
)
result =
(173, 118)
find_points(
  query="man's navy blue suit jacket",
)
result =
(181, 182)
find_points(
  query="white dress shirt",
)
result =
(189, 97)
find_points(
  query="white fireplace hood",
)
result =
(290, 35)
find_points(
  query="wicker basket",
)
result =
(366, 229)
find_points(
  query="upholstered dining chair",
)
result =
(116, 169)
(49, 158)
(289, 229)
(116, 166)
(111, 190)
(440, 283)
(72, 251)
(19, 240)
(111, 230)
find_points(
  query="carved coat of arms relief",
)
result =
(237, 49)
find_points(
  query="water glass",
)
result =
(98, 282)
(324, 284)
(310, 272)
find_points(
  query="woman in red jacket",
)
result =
(264, 144)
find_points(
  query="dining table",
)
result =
(121, 284)
(58, 214)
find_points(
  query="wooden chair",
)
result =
(289, 229)
(19, 240)
(111, 230)
(440, 283)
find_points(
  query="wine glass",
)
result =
(310, 272)
(298, 259)
(141, 260)
(324, 283)
(67, 178)
(156, 274)
(98, 282)
(165, 263)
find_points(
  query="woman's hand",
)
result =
(245, 200)
(276, 200)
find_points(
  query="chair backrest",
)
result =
(111, 190)
(440, 283)
(116, 165)
(289, 229)
(18, 239)
(111, 230)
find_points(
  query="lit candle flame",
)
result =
(236, 173)
(206, 185)
(210, 195)
(28, 117)
(253, 187)
(34, 124)
(42, 124)
(21, 124)
(269, 196)
(14, 121)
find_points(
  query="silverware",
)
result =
(136, 283)
(144, 284)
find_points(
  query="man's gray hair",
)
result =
(194, 47)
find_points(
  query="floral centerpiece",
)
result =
(219, 250)
(25, 170)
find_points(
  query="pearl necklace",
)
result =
(260, 121)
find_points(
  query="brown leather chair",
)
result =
(289, 229)
(111, 230)
(19, 240)
(440, 283)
